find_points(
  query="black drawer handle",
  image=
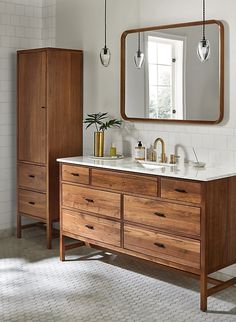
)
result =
(181, 190)
(31, 176)
(89, 227)
(43, 106)
(159, 245)
(75, 174)
(159, 214)
(89, 200)
(31, 202)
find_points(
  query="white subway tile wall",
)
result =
(49, 23)
(23, 24)
(216, 146)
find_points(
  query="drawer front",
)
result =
(125, 182)
(32, 203)
(32, 176)
(163, 215)
(181, 190)
(91, 200)
(99, 229)
(175, 249)
(75, 174)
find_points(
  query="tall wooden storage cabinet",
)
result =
(50, 112)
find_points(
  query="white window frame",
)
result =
(157, 34)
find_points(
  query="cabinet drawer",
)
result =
(163, 215)
(32, 203)
(125, 182)
(75, 174)
(103, 230)
(91, 200)
(32, 176)
(181, 190)
(175, 249)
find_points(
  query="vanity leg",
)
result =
(18, 230)
(203, 290)
(62, 248)
(49, 235)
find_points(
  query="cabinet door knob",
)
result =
(31, 176)
(75, 174)
(31, 202)
(159, 214)
(160, 245)
(43, 106)
(89, 227)
(181, 190)
(89, 200)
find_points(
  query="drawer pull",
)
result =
(159, 245)
(89, 200)
(89, 227)
(31, 203)
(181, 190)
(159, 214)
(31, 176)
(75, 174)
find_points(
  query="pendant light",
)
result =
(105, 54)
(204, 49)
(139, 56)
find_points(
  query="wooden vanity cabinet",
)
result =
(50, 112)
(183, 224)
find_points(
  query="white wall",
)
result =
(21, 25)
(48, 23)
(80, 25)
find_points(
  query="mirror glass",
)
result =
(172, 83)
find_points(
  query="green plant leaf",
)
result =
(97, 119)
(109, 124)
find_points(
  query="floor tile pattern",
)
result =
(93, 286)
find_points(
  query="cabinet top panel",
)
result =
(189, 172)
(47, 49)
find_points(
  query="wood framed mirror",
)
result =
(173, 85)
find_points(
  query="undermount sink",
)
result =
(154, 165)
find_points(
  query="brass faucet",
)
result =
(163, 152)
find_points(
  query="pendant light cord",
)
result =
(105, 23)
(139, 42)
(204, 20)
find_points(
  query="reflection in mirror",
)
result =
(173, 84)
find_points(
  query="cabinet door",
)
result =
(32, 118)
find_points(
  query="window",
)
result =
(165, 72)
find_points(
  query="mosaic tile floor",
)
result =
(97, 287)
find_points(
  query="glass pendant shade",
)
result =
(204, 50)
(105, 56)
(139, 59)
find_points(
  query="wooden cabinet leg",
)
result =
(62, 248)
(18, 229)
(49, 235)
(203, 287)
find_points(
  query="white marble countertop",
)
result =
(179, 171)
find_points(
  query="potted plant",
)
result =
(102, 123)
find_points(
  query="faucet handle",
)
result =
(174, 158)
